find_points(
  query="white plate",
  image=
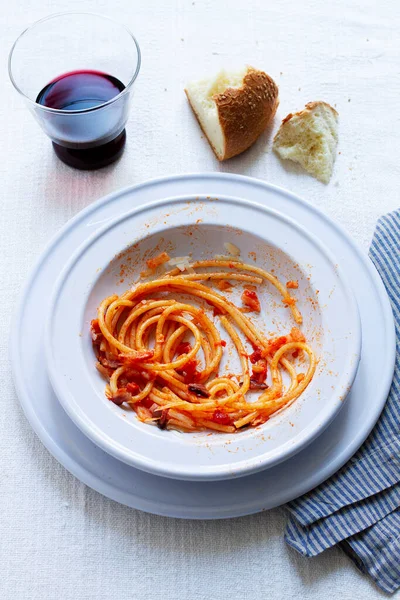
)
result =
(191, 225)
(204, 500)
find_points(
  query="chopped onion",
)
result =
(179, 259)
(182, 262)
(232, 249)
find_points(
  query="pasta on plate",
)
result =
(160, 350)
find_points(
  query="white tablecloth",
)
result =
(59, 539)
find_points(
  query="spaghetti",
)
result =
(161, 354)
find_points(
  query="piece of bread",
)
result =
(233, 109)
(310, 138)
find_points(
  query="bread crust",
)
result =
(308, 107)
(244, 112)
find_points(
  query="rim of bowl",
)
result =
(83, 110)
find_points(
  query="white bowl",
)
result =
(201, 226)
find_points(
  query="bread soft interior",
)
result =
(310, 138)
(201, 96)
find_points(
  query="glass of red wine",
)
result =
(76, 73)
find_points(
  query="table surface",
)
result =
(60, 539)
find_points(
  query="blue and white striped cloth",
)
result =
(359, 507)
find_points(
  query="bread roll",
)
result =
(233, 109)
(310, 138)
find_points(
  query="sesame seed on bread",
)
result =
(233, 109)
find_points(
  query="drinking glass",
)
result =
(66, 43)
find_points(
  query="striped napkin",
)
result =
(359, 507)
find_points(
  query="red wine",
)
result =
(82, 90)
(78, 90)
